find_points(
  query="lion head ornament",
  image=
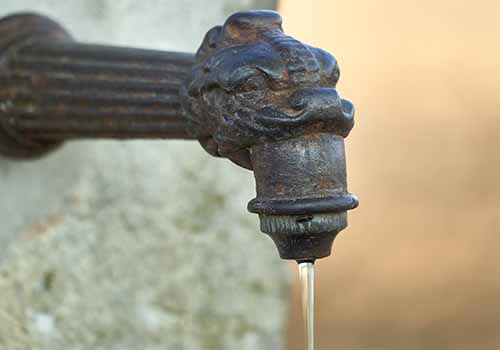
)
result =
(253, 84)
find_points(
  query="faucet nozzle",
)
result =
(302, 197)
(268, 102)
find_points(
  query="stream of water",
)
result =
(306, 275)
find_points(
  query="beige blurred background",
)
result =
(418, 267)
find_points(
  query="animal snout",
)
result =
(324, 104)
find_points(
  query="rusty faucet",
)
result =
(251, 94)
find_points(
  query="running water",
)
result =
(306, 275)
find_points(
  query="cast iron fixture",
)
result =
(251, 94)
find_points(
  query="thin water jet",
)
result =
(306, 275)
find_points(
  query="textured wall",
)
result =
(135, 245)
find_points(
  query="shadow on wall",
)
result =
(418, 267)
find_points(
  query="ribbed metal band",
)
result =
(332, 204)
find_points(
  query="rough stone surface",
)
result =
(135, 245)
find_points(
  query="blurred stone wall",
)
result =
(135, 245)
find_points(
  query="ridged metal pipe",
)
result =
(54, 89)
(60, 91)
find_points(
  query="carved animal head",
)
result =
(253, 84)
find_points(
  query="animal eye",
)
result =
(253, 83)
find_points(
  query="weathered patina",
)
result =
(251, 94)
(268, 102)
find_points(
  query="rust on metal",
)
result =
(251, 94)
(54, 89)
(268, 102)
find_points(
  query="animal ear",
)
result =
(247, 24)
(210, 43)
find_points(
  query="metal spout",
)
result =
(302, 197)
(251, 94)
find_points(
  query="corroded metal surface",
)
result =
(54, 89)
(251, 93)
(268, 102)
(254, 84)
(14, 32)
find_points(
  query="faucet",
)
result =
(250, 94)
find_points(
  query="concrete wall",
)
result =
(135, 245)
